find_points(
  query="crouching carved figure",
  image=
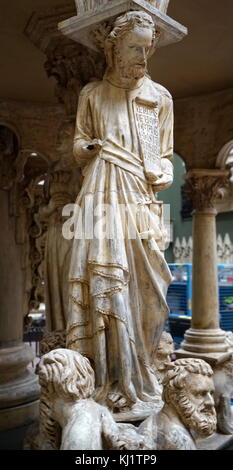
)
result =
(70, 419)
(189, 405)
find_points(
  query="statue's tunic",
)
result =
(118, 285)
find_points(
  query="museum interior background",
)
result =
(42, 73)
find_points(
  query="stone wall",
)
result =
(203, 125)
(36, 124)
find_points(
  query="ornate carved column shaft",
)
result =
(19, 388)
(205, 339)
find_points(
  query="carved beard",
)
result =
(135, 71)
(127, 70)
(202, 420)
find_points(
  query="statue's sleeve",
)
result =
(84, 128)
(166, 135)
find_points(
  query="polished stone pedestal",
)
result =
(19, 387)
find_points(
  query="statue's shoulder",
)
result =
(90, 88)
(161, 89)
(173, 437)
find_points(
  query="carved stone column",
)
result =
(19, 387)
(205, 339)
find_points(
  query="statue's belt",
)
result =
(124, 159)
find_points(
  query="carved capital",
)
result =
(71, 64)
(91, 14)
(206, 187)
(84, 6)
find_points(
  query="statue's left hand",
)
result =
(163, 183)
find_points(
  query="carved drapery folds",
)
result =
(206, 187)
(72, 66)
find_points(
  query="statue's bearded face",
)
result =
(195, 404)
(131, 52)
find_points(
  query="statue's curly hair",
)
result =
(125, 23)
(178, 373)
(63, 373)
(107, 35)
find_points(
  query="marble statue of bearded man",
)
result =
(118, 275)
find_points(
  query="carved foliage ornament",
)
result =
(73, 66)
(205, 189)
(84, 6)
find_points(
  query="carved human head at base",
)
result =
(165, 348)
(67, 374)
(129, 44)
(189, 388)
(163, 354)
(65, 377)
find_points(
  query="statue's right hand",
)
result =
(85, 150)
(93, 147)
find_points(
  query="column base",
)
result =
(19, 387)
(15, 417)
(208, 345)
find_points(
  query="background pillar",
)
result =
(205, 339)
(19, 387)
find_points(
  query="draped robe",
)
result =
(118, 285)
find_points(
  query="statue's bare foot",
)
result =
(117, 402)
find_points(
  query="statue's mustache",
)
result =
(139, 64)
